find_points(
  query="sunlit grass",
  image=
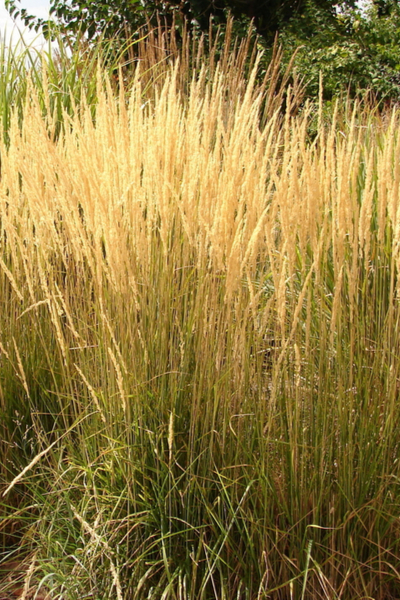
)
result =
(199, 338)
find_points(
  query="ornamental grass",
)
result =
(199, 342)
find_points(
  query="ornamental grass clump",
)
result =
(199, 338)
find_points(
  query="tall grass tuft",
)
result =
(199, 342)
(65, 73)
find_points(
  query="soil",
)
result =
(18, 582)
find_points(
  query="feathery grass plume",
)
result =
(93, 394)
(120, 381)
(28, 577)
(21, 369)
(11, 279)
(171, 436)
(97, 538)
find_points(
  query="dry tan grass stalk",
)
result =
(116, 580)
(96, 537)
(92, 393)
(120, 381)
(4, 351)
(114, 341)
(171, 435)
(11, 279)
(28, 577)
(55, 315)
(67, 314)
(21, 369)
(35, 305)
(39, 456)
(33, 462)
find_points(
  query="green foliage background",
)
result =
(355, 51)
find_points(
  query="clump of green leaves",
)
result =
(356, 51)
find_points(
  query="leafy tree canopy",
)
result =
(357, 51)
(95, 16)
